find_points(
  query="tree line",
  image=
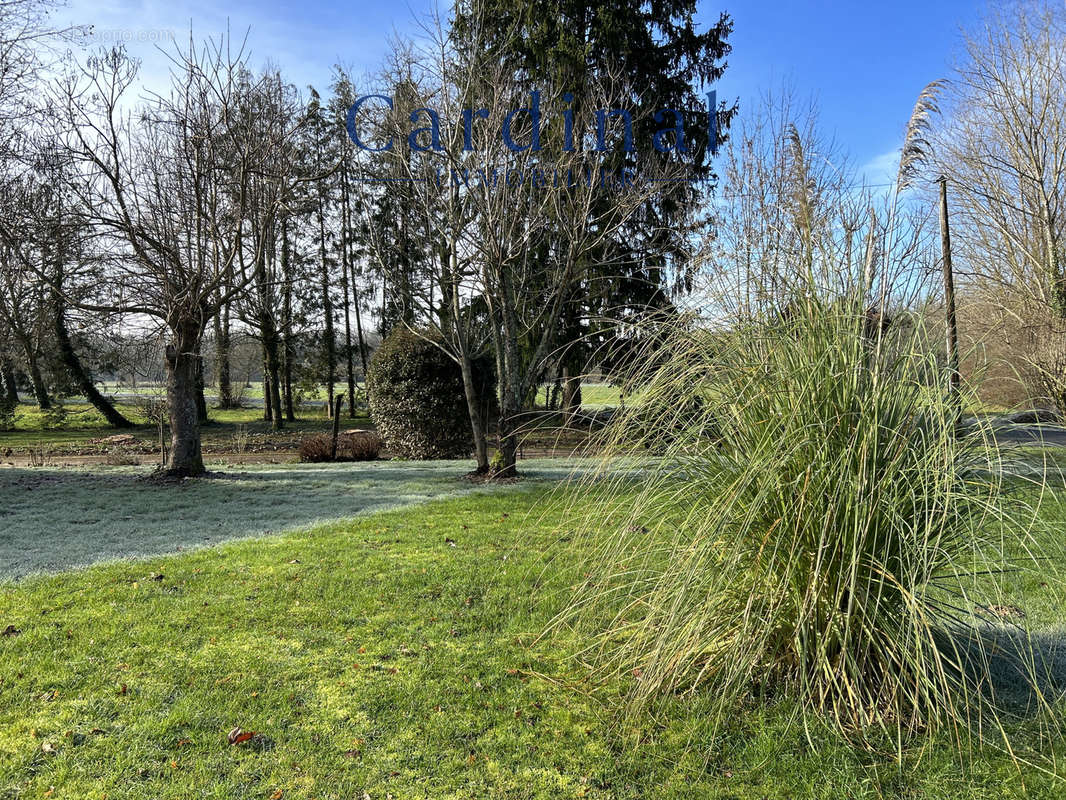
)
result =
(232, 203)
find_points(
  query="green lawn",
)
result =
(594, 396)
(393, 655)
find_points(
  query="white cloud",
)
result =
(881, 169)
(305, 47)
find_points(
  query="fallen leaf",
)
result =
(236, 736)
(47, 747)
(353, 753)
(277, 795)
(1004, 612)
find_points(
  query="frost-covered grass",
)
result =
(53, 519)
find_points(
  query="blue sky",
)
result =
(863, 62)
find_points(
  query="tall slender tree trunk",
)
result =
(346, 278)
(40, 391)
(477, 421)
(223, 377)
(348, 357)
(73, 364)
(201, 400)
(359, 329)
(330, 344)
(182, 361)
(288, 351)
(272, 376)
(509, 393)
(268, 397)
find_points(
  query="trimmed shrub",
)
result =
(360, 446)
(315, 449)
(351, 446)
(416, 399)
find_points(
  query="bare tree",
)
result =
(793, 219)
(1003, 152)
(512, 230)
(171, 185)
(24, 294)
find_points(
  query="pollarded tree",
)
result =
(169, 185)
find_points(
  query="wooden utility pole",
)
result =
(952, 333)
(336, 426)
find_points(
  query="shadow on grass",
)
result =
(1019, 673)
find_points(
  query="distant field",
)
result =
(82, 423)
(251, 391)
(596, 395)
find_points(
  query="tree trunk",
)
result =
(359, 329)
(349, 360)
(477, 421)
(10, 387)
(288, 351)
(509, 394)
(40, 391)
(223, 377)
(272, 376)
(329, 342)
(268, 396)
(201, 401)
(182, 363)
(571, 392)
(85, 385)
(290, 412)
(345, 278)
(508, 448)
(336, 428)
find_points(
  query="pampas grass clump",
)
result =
(807, 519)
